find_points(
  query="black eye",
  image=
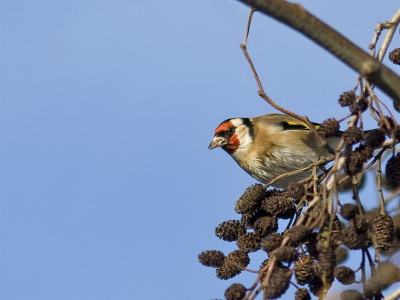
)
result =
(231, 130)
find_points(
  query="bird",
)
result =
(270, 145)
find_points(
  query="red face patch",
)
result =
(233, 144)
(223, 127)
(233, 141)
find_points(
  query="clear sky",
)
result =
(106, 110)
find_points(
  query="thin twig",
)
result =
(246, 36)
(263, 95)
(392, 26)
(382, 198)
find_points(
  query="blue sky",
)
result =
(106, 111)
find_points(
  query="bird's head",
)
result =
(233, 135)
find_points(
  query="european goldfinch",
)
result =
(271, 145)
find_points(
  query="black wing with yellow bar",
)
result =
(297, 126)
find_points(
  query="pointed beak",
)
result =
(218, 141)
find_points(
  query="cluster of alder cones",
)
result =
(309, 252)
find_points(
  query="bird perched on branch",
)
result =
(271, 145)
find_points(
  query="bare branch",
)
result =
(299, 19)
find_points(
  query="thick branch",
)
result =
(368, 67)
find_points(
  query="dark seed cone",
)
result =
(356, 159)
(345, 275)
(360, 223)
(265, 225)
(303, 271)
(394, 56)
(360, 105)
(351, 295)
(348, 211)
(374, 138)
(298, 234)
(233, 264)
(311, 244)
(302, 294)
(248, 218)
(271, 242)
(285, 254)
(249, 242)
(278, 283)
(280, 206)
(250, 199)
(347, 98)
(386, 124)
(295, 191)
(383, 229)
(393, 172)
(316, 286)
(265, 262)
(329, 128)
(352, 135)
(327, 261)
(212, 258)
(235, 292)
(353, 240)
(230, 230)
(341, 255)
(396, 238)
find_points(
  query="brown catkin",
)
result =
(345, 275)
(316, 286)
(233, 264)
(348, 211)
(230, 230)
(265, 225)
(278, 283)
(394, 56)
(211, 258)
(248, 218)
(347, 98)
(295, 191)
(352, 135)
(271, 241)
(329, 128)
(375, 138)
(359, 105)
(249, 242)
(356, 159)
(280, 206)
(250, 199)
(298, 234)
(303, 270)
(383, 229)
(235, 292)
(327, 261)
(393, 171)
(285, 254)
(302, 294)
(352, 239)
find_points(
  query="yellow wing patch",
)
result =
(289, 125)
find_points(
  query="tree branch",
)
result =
(299, 19)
